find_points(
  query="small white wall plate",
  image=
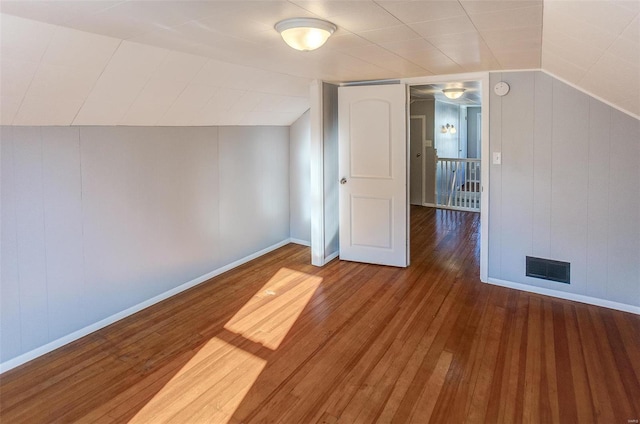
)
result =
(501, 88)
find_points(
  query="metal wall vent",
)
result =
(548, 269)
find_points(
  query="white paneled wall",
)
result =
(252, 204)
(300, 180)
(64, 244)
(98, 219)
(568, 188)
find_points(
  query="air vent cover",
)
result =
(548, 269)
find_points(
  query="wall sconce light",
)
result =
(305, 34)
(454, 93)
(448, 129)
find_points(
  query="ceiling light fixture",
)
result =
(305, 34)
(453, 93)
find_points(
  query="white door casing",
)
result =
(479, 135)
(417, 131)
(373, 171)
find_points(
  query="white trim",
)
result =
(567, 296)
(483, 77)
(423, 153)
(300, 241)
(407, 169)
(456, 208)
(432, 79)
(331, 257)
(317, 174)
(39, 351)
(498, 71)
(430, 205)
(484, 177)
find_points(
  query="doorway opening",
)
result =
(448, 167)
(445, 139)
(376, 161)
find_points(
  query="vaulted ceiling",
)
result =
(222, 63)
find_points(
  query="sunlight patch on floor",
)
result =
(203, 389)
(269, 315)
(211, 386)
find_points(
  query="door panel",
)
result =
(370, 143)
(371, 213)
(373, 168)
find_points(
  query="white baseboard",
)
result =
(33, 354)
(568, 296)
(331, 257)
(300, 241)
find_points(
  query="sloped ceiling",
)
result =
(596, 46)
(222, 63)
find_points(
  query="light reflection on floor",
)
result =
(211, 386)
(270, 314)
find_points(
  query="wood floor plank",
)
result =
(500, 375)
(627, 357)
(548, 391)
(614, 371)
(513, 387)
(410, 360)
(481, 393)
(584, 402)
(279, 340)
(531, 409)
(372, 370)
(423, 409)
(602, 397)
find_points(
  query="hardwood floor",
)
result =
(278, 340)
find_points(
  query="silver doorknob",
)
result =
(343, 181)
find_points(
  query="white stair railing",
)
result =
(458, 184)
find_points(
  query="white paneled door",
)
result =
(373, 172)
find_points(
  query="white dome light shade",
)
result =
(305, 34)
(453, 93)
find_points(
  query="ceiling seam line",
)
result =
(188, 83)
(604, 51)
(40, 63)
(84, 102)
(480, 35)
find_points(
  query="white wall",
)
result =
(426, 108)
(300, 180)
(462, 132)
(446, 143)
(98, 219)
(568, 188)
(473, 145)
